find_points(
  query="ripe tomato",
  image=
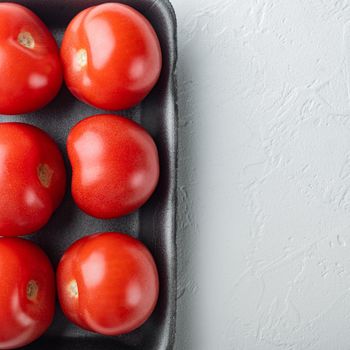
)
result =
(115, 165)
(30, 67)
(108, 283)
(111, 56)
(27, 292)
(32, 178)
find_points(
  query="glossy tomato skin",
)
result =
(115, 165)
(27, 292)
(108, 283)
(111, 56)
(32, 178)
(30, 68)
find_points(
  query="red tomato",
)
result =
(32, 178)
(108, 283)
(115, 165)
(111, 56)
(30, 67)
(27, 292)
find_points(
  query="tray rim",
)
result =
(174, 87)
(174, 83)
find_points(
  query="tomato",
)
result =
(115, 165)
(108, 283)
(30, 67)
(32, 178)
(111, 56)
(27, 292)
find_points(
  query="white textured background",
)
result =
(264, 191)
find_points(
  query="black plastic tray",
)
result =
(154, 223)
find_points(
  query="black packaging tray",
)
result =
(153, 224)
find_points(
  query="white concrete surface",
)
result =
(264, 192)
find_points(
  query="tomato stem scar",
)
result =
(32, 290)
(45, 174)
(26, 40)
(82, 58)
(73, 289)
